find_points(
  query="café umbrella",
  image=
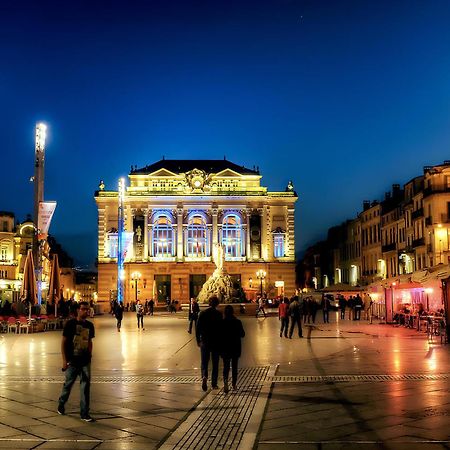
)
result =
(28, 292)
(54, 288)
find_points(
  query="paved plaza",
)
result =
(351, 385)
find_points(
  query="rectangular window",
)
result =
(278, 245)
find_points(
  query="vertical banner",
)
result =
(127, 243)
(46, 210)
(139, 230)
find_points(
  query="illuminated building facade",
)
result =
(175, 211)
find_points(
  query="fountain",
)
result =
(219, 283)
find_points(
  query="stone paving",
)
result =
(351, 385)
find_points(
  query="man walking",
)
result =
(194, 310)
(118, 312)
(151, 305)
(140, 315)
(295, 311)
(283, 315)
(76, 350)
(208, 334)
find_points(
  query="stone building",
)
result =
(175, 213)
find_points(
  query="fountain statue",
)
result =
(219, 283)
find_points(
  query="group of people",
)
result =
(118, 310)
(219, 336)
(216, 335)
(355, 306)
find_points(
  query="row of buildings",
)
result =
(399, 240)
(176, 212)
(16, 238)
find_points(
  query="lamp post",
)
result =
(39, 153)
(136, 276)
(261, 274)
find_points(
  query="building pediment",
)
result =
(227, 173)
(162, 173)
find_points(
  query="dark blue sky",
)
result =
(343, 97)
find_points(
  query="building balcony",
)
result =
(389, 247)
(445, 218)
(428, 221)
(436, 189)
(417, 213)
(418, 242)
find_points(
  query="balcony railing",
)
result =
(417, 213)
(436, 189)
(389, 247)
(418, 242)
(445, 218)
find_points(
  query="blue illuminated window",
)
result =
(112, 245)
(197, 237)
(232, 236)
(163, 237)
(278, 245)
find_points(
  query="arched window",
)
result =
(232, 236)
(163, 237)
(197, 237)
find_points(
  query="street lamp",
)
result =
(136, 276)
(261, 274)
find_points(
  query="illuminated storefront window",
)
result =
(232, 236)
(163, 237)
(197, 237)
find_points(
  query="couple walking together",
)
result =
(217, 336)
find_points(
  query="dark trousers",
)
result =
(192, 321)
(206, 352)
(357, 313)
(151, 310)
(284, 326)
(325, 316)
(342, 313)
(119, 323)
(234, 369)
(72, 373)
(298, 321)
(140, 320)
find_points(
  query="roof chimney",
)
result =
(366, 205)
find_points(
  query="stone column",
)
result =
(290, 234)
(248, 213)
(102, 221)
(262, 213)
(180, 253)
(145, 255)
(215, 230)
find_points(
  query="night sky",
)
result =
(343, 97)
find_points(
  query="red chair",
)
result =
(12, 325)
(24, 324)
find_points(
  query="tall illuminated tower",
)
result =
(39, 150)
(120, 255)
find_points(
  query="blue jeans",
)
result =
(205, 353)
(72, 373)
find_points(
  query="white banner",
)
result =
(46, 210)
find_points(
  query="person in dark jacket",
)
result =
(326, 306)
(208, 334)
(295, 311)
(232, 332)
(118, 312)
(194, 310)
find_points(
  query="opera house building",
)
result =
(176, 212)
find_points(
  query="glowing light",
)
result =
(41, 134)
(428, 290)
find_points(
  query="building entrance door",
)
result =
(196, 283)
(163, 287)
